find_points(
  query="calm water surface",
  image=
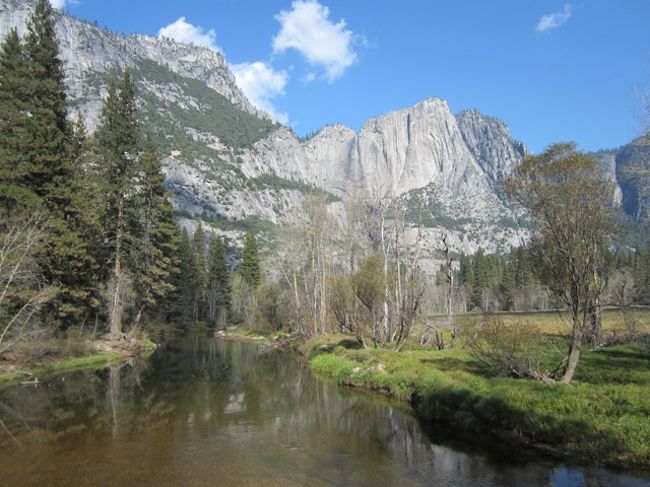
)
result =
(201, 411)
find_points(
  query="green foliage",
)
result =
(368, 284)
(200, 273)
(218, 115)
(274, 182)
(218, 280)
(433, 214)
(37, 165)
(185, 281)
(249, 268)
(154, 259)
(501, 275)
(15, 168)
(138, 220)
(570, 201)
(603, 416)
(268, 313)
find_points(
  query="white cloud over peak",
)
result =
(308, 29)
(554, 20)
(182, 31)
(262, 84)
(62, 3)
(258, 80)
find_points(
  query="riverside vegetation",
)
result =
(359, 296)
(88, 236)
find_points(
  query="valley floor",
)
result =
(603, 417)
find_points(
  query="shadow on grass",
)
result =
(350, 344)
(615, 366)
(472, 411)
(639, 356)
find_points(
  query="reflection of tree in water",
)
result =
(228, 396)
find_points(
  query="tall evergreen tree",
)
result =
(185, 281)
(508, 283)
(155, 245)
(76, 230)
(42, 179)
(118, 139)
(200, 271)
(249, 269)
(218, 281)
(49, 130)
(15, 194)
(479, 281)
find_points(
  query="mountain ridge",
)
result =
(228, 164)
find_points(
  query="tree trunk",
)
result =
(116, 312)
(596, 322)
(572, 362)
(138, 317)
(114, 384)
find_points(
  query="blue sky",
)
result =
(552, 70)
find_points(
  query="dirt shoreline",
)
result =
(16, 369)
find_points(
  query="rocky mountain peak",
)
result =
(491, 144)
(92, 54)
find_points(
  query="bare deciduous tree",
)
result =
(22, 291)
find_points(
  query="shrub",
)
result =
(511, 349)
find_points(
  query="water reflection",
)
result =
(207, 412)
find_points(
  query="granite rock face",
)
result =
(456, 162)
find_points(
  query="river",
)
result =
(203, 411)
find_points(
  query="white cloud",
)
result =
(307, 28)
(262, 84)
(309, 77)
(554, 20)
(183, 31)
(62, 3)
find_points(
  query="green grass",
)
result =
(92, 361)
(149, 344)
(603, 416)
(554, 323)
(248, 332)
(29, 369)
(8, 378)
(40, 371)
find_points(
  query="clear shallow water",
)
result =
(202, 411)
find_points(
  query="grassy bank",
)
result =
(246, 334)
(39, 360)
(603, 417)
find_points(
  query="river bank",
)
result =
(37, 360)
(603, 418)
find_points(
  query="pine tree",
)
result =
(118, 139)
(73, 250)
(49, 131)
(45, 176)
(154, 259)
(508, 283)
(250, 270)
(15, 195)
(185, 282)
(218, 282)
(480, 277)
(200, 270)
